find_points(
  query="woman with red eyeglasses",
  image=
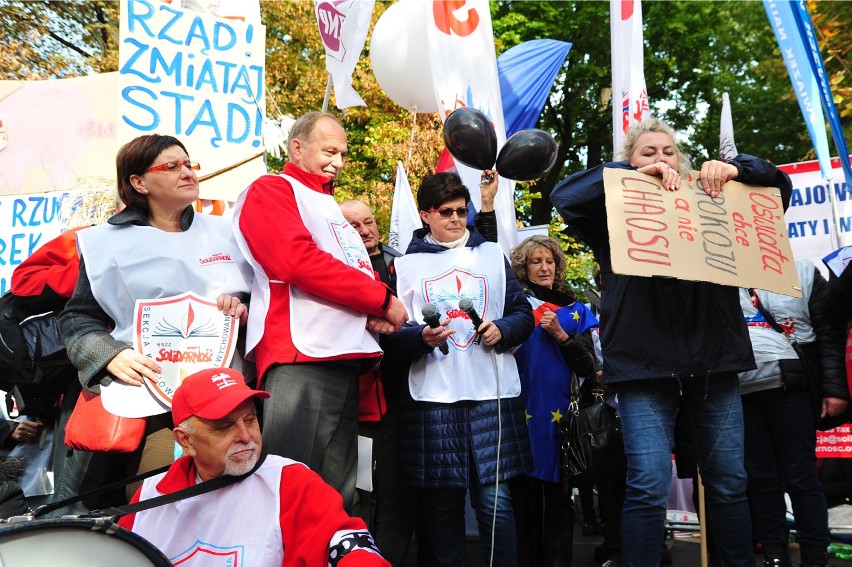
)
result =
(464, 429)
(156, 247)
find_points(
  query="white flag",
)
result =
(404, 217)
(629, 95)
(464, 68)
(343, 27)
(727, 148)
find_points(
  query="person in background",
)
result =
(670, 343)
(316, 304)
(463, 426)
(780, 417)
(546, 360)
(280, 513)
(151, 249)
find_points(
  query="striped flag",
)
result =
(727, 147)
(629, 95)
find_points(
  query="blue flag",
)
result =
(527, 72)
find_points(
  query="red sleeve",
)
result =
(279, 241)
(55, 265)
(311, 513)
(128, 520)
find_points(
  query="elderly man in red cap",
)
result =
(216, 424)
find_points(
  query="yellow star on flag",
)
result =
(528, 415)
(556, 416)
(576, 315)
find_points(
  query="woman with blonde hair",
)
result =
(668, 344)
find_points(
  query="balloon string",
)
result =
(411, 141)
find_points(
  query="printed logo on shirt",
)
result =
(216, 258)
(446, 290)
(352, 246)
(209, 555)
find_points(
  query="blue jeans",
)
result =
(441, 532)
(648, 409)
(780, 457)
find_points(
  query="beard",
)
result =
(245, 464)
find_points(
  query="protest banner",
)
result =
(810, 220)
(199, 78)
(738, 238)
(835, 443)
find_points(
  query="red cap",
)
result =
(212, 394)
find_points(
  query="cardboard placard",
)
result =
(738, 239)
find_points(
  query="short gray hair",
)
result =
(303, 127)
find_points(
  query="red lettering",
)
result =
(447, 22)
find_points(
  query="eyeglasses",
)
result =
(448, 213)
(175, 166)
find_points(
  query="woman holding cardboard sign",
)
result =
(670, 343)
(157, 247)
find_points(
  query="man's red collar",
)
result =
(311, 180)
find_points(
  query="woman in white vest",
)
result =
(464, 428)
(155, 247)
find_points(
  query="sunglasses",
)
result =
(448, 213)
(175, 166)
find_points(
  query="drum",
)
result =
(72, 542)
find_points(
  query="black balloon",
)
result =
(527, 155)
(470, 138)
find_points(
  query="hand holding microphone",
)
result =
(431, 318)
(484, 329)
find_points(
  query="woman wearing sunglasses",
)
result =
(464, 428)
(157, 246)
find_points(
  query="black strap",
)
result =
(766, 314)
(188, 492)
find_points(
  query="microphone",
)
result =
(466, 305)
(430, 316)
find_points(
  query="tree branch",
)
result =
(68, 44)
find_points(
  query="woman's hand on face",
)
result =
(231, 305)
(488, 190)
(490, 332)
(130, 367)
(438, 336)
(550, 323)
(716, 173)
(670, 177)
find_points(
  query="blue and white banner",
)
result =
(797, 59)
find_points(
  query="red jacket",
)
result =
(55, 265)
(279, 241)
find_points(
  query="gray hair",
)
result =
(303, 127)
(654, 125)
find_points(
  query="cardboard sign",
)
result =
(738, 239)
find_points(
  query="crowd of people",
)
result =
(455, 361)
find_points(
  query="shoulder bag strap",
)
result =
(766, 314)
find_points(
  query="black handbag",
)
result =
(590, 435)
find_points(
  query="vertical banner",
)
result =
(343, 27)
(199, 78)
(404, 217)
(629, 95)
(792, 45)
(727, 147)
(464, 68)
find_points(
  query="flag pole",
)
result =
(327, 94)
(411, 139)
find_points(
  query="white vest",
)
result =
(128, 262)
(319, 328)
(468, 371)
(237, 525)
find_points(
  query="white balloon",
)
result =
(399, 55)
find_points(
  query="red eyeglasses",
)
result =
(175, 166)
(448, 213)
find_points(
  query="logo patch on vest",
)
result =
(209, 555)
(352, 246)
(446, 290)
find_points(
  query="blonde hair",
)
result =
(654, 125)
(520, 255)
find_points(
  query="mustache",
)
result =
(238, 447)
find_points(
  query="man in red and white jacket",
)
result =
(315, 304)
(216, 424)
